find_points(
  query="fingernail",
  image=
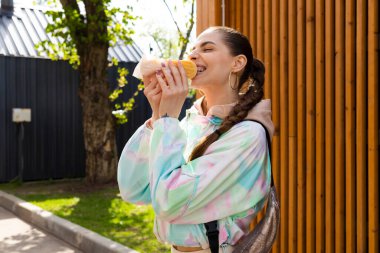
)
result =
(163, 64)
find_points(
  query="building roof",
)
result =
(23, 28)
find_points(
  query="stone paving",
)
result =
(28, 228)
(17, 236)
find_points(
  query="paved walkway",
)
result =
(48, 233)
(17, 236)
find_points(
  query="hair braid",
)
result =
(253, 72)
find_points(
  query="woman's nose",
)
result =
(193, 55)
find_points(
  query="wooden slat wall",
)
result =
(373, 125)
(330, 126)
(292, 135)
(301, 126)
(320, 175)
(322, 76)
(361, 125)
(213, 16)
(350, 125)
(283, 126)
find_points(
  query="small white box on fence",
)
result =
(21, 115)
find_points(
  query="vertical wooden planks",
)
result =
(350, 125)
(340, 240)
(310, 126)
(260, 46)
(275, 103)
(211, 15)
(238, 19)
(232, 13)
(361, 126)
(260, 30)
(325, 148)
(252, 7)
(373, 125)
(227, 14)
(301, 126)
(208, 13)
(218, 14)
(200, 18)
(205, 16)
(284, 174)
(246, 14)
(330, 126)
(267, 48)
(253, 25)
(292, 101)
(320, 126)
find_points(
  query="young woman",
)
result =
(212, 165)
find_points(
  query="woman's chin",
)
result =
(196, 83)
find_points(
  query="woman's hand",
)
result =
(152, 91)
(174, 89)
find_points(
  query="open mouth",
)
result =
(200, 69)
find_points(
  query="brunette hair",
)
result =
(253, 75)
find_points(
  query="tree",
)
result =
(168, 44)
(85, 34)
(183, 37)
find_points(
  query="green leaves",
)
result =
(121, 108)
(115, 94)
(74, 30)
(183, 37)
(122, 81)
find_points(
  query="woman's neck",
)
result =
(211, 100)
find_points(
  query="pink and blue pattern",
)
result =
(229, 183)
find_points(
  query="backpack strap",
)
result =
(212, 231)
(269, 147)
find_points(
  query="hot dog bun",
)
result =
(189, 66)
(147, 66)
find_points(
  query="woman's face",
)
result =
(213, 60)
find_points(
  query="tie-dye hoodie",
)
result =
(229, 183)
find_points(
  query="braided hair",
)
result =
(253, 74)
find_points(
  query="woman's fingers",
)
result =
(175, 73)
(163, 85)
(148, 86)
(183, 75)
(148, 79)
(157, 89)
(168, 76)
(152, 89)
(174, 90)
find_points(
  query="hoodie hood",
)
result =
(260, 112)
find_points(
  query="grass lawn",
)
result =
(98, 208)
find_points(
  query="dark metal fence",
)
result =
(53, 141)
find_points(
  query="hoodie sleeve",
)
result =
(132, 173)
(233, 175)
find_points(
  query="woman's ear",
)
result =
(239, 63)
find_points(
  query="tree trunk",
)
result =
(98, 123)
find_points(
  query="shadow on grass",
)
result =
(99, 209)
